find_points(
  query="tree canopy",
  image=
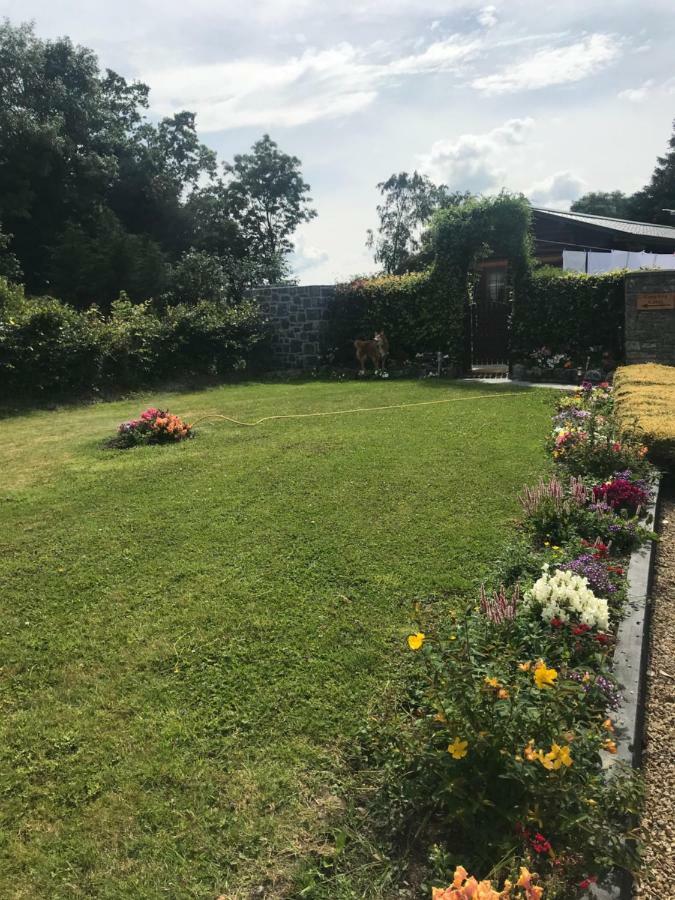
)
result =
(96, 198)
(651, 204)
(409, 202)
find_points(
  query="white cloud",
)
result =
(315, 85)
(553, 65)
(557, 191)
(305, 255)
(635, 95)
(488, 16)
(474, 162)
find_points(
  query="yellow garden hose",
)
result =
(344, 412)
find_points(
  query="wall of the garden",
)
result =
(650, 317)
(297, 317)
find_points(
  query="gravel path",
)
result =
(658, 821)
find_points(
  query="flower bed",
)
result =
(500, 750)
(153, 426)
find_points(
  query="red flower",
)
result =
(580, 629)
(540, 844)
(587, 882)
(556, 622)
(602, 638)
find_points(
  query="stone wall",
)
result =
(650, 316)
(297, 317)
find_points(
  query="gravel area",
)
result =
(658, 821)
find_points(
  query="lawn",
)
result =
(192, 634)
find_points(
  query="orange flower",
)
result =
(609, 745)
(503, 694)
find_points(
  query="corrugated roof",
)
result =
(646, 229)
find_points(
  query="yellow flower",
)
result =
(458, 749)
(440, 717)
(415, 641)
(543, 676)
(503, 694)
(556, 757)
(525, 667)
(492, 682)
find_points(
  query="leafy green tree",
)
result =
(267, 198)
(408, 205)
(604, 203)
(9, 264)
(654, 202)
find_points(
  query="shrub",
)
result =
(645, 397)
(570, 313)
(47, 348)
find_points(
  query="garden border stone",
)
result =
(630, 668)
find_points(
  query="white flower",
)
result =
(565, 592)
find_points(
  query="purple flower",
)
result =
(595, 571)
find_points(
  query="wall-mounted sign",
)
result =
(656, 301)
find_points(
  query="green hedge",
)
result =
(405, 307)
(569, 312)
(49, 349)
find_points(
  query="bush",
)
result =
(569, 313)
(645, 397)
(49, 349)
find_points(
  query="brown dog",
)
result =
(376, 351)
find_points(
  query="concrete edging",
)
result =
(630, 668)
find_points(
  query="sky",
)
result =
(551, 99)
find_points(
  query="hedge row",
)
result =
(645, 396)
(47, 348)
(569, 312)
(414, 316)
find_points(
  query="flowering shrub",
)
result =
(465, 887)
(621, 492)
(565, 594)
(153, 426)
(596, 573)
(588, 439)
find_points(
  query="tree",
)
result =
(409, 203)
(9, 264)
(84, 176)
(652, 203)
(267, 198)
(604, 203)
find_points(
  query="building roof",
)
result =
(627, 226)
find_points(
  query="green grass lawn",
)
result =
(192, 634)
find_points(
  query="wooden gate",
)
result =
(490, 318)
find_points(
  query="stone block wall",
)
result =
(650, 316)
(297, 316)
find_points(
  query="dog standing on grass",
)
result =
(376, 351)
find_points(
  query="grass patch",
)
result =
(191, 633)
(645, 395)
